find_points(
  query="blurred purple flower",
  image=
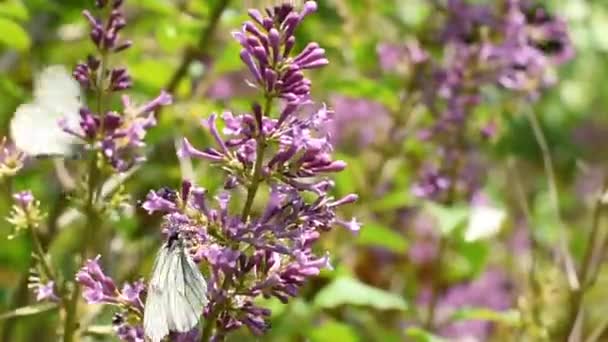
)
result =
(24, 199)
(45, 292)
(357, 122)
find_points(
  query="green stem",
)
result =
(569, 268)
(259, 162)
(577, 296)
(41, 254)
(71, 309)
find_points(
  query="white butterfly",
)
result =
(35, 126)
(177, 293)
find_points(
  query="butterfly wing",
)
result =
(186, 298)
(176, 295)
(155, 314)
(35, 126)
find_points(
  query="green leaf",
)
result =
(13, 35)
(377, 235)
(334, 331)
(366, 88)
(160, 7)
(229, 60)
(350, 291)
(14, 9)
(508, 317)
(449, 218)
(29, 310)
(391, 201)
(420, 335)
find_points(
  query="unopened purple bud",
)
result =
(256, 16)
(316, 64)
(92, 20)
(267, 23)
(261, 55)
(117, 4)
(288, 46)
(248, 60)
(81, 74)
(335, 166)
(291, 22)
(309, 7)
(350, 198)
(123, 46)
(270, 78)
(274, 39)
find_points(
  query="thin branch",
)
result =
(554, 198)
(203, 42)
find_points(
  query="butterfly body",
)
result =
(176, 294)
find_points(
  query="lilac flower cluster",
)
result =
(492, 290)
(267, 44)
(270, 254)
(515, 47)
(98, 288)
(118, 135)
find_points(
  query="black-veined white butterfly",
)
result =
(177, 292)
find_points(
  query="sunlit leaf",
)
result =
(14, 9)
(509, 317)
(13, 35)
(333, 331)
(350, 291)
(393, 200)
(29, 310)
(377, 235)
(419, 335)
(448, 218)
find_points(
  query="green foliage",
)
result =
(350, 291)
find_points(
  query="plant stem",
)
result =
(189, 55)
(41, 254)
(259, 162)
(70, 324)
(430, 320)
(569, 267)
(576, 299)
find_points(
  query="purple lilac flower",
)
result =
(357, 122)
(268, 42)
(118, 135)
(98, 288)
(492, 290)
(24, 199)
(125, 331)
(401, 58)
(44, 292)
(269, 253)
